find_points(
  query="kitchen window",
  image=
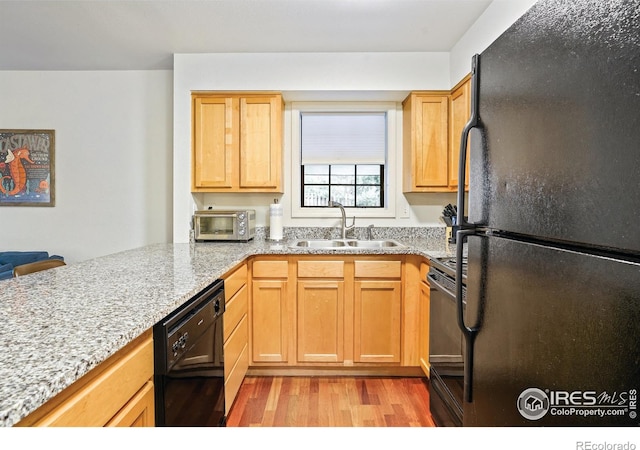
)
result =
(342, 158)
(342, 151)
(352, 185)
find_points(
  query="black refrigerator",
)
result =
(552, 239)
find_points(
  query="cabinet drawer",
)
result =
(234, 346)
(98, 401)
(270, 269)
(235, 310)
(378, 269)
(235, 281)
(234, 380)
(321, 269)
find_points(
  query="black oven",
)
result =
(446, 344)
(189, 363)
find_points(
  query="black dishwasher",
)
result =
(189, 363)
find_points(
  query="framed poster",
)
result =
(27, 167)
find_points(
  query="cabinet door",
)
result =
(424, 327)
(431, 149)
(320, 321)
(377, 325)
(260, 143)
(214, 142)
(139, 412)
(105, 393)
(460, 112)
(269, 337)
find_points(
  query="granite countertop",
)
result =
(61, 323)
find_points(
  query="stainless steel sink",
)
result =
(345, 244)
(319, 243)
(382, 243)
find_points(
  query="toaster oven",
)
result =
(228, 225)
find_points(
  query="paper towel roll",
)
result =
(275, 221)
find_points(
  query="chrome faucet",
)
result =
(370, 230)
(333, 204)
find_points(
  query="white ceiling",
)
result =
(144, 34)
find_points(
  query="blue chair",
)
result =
(25, 269)
(10, 260)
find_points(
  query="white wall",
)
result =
(113, 159)
(300, 76)
(498, 16)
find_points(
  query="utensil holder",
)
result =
(454, 230)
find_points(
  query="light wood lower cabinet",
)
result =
(320, 311)
(270, 328)
(377, 321)
(320, 321)
(377, 311)
(416, 283)
(235, 331)
(344, 311)
(119, 392)
(236, 357)
(425, 305)
(139, 412)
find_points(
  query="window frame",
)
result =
(355, 184)
(390, 172)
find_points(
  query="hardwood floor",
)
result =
(331, 402)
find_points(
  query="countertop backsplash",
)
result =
(435, 233)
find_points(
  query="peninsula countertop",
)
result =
(61, 323)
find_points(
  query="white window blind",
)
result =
(343, 138)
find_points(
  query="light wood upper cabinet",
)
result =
(432, 126)
(459, 116)
(213, 143)
(261, 144)
(425, 146)
(237, 142)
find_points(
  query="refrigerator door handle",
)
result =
(469, 333)
(464, 139)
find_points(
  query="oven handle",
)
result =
(218, 214)
(441, 288)
(468, 332)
